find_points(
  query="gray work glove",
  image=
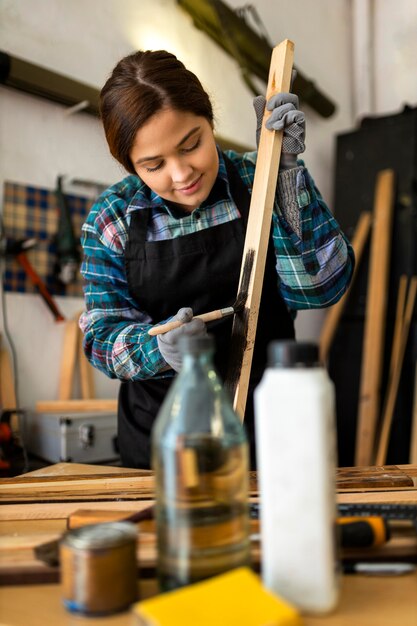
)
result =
(285, 115)
(168, 342)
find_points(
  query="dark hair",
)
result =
(140, 85)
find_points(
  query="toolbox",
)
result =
(72, 437)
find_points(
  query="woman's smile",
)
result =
(193, 187)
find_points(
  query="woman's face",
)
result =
(175, 154)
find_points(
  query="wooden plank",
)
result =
(134, 487)
(68, 360)
(394, 380)
(403, 496)
(62, 510)
(99, 489)
(367, 478)
(76, 406)
(373, 345)
(42, 511)
(258, 231)
(102, 488)
(82, 469)
(332, 320)
(39, 479)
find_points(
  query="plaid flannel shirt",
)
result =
(314, 260)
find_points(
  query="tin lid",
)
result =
(98, 536)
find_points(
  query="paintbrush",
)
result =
(205, 317)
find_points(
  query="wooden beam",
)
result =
(258, 230)
(373, 345)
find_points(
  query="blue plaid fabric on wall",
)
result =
(33, 212)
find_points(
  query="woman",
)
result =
(167, 241)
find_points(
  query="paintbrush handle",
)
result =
(205, 317)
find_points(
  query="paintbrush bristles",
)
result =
(242, 295)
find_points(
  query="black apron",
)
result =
(200, 270)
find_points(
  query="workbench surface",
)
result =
(35, 508)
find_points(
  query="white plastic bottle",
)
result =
(296, 456)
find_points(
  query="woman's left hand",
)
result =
(285, 116)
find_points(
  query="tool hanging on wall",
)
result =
(230, 28)
(18, 250)
(67, 250)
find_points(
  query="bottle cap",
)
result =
(196, 343)
(291, 353)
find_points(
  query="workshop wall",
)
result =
(84, 39)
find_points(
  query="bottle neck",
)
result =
(201, 359)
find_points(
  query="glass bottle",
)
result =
(200, 459)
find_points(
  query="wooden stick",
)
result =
(258, 230)
(331, 322)
(394, 382)
(398, 325)
(373, 345)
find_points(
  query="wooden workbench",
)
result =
(35, 508)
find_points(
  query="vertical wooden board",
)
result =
(373, 345)
(68, 360)
(7, 388)
(258, 231)
(88, 391)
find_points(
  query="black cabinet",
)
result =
(388, 142)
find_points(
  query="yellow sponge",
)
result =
(236, 598)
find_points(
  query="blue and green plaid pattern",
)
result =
(313, 270)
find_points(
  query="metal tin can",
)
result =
(99, 569)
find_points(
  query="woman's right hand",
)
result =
(168, 342)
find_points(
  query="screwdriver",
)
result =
(353, 531)
(362, 532)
